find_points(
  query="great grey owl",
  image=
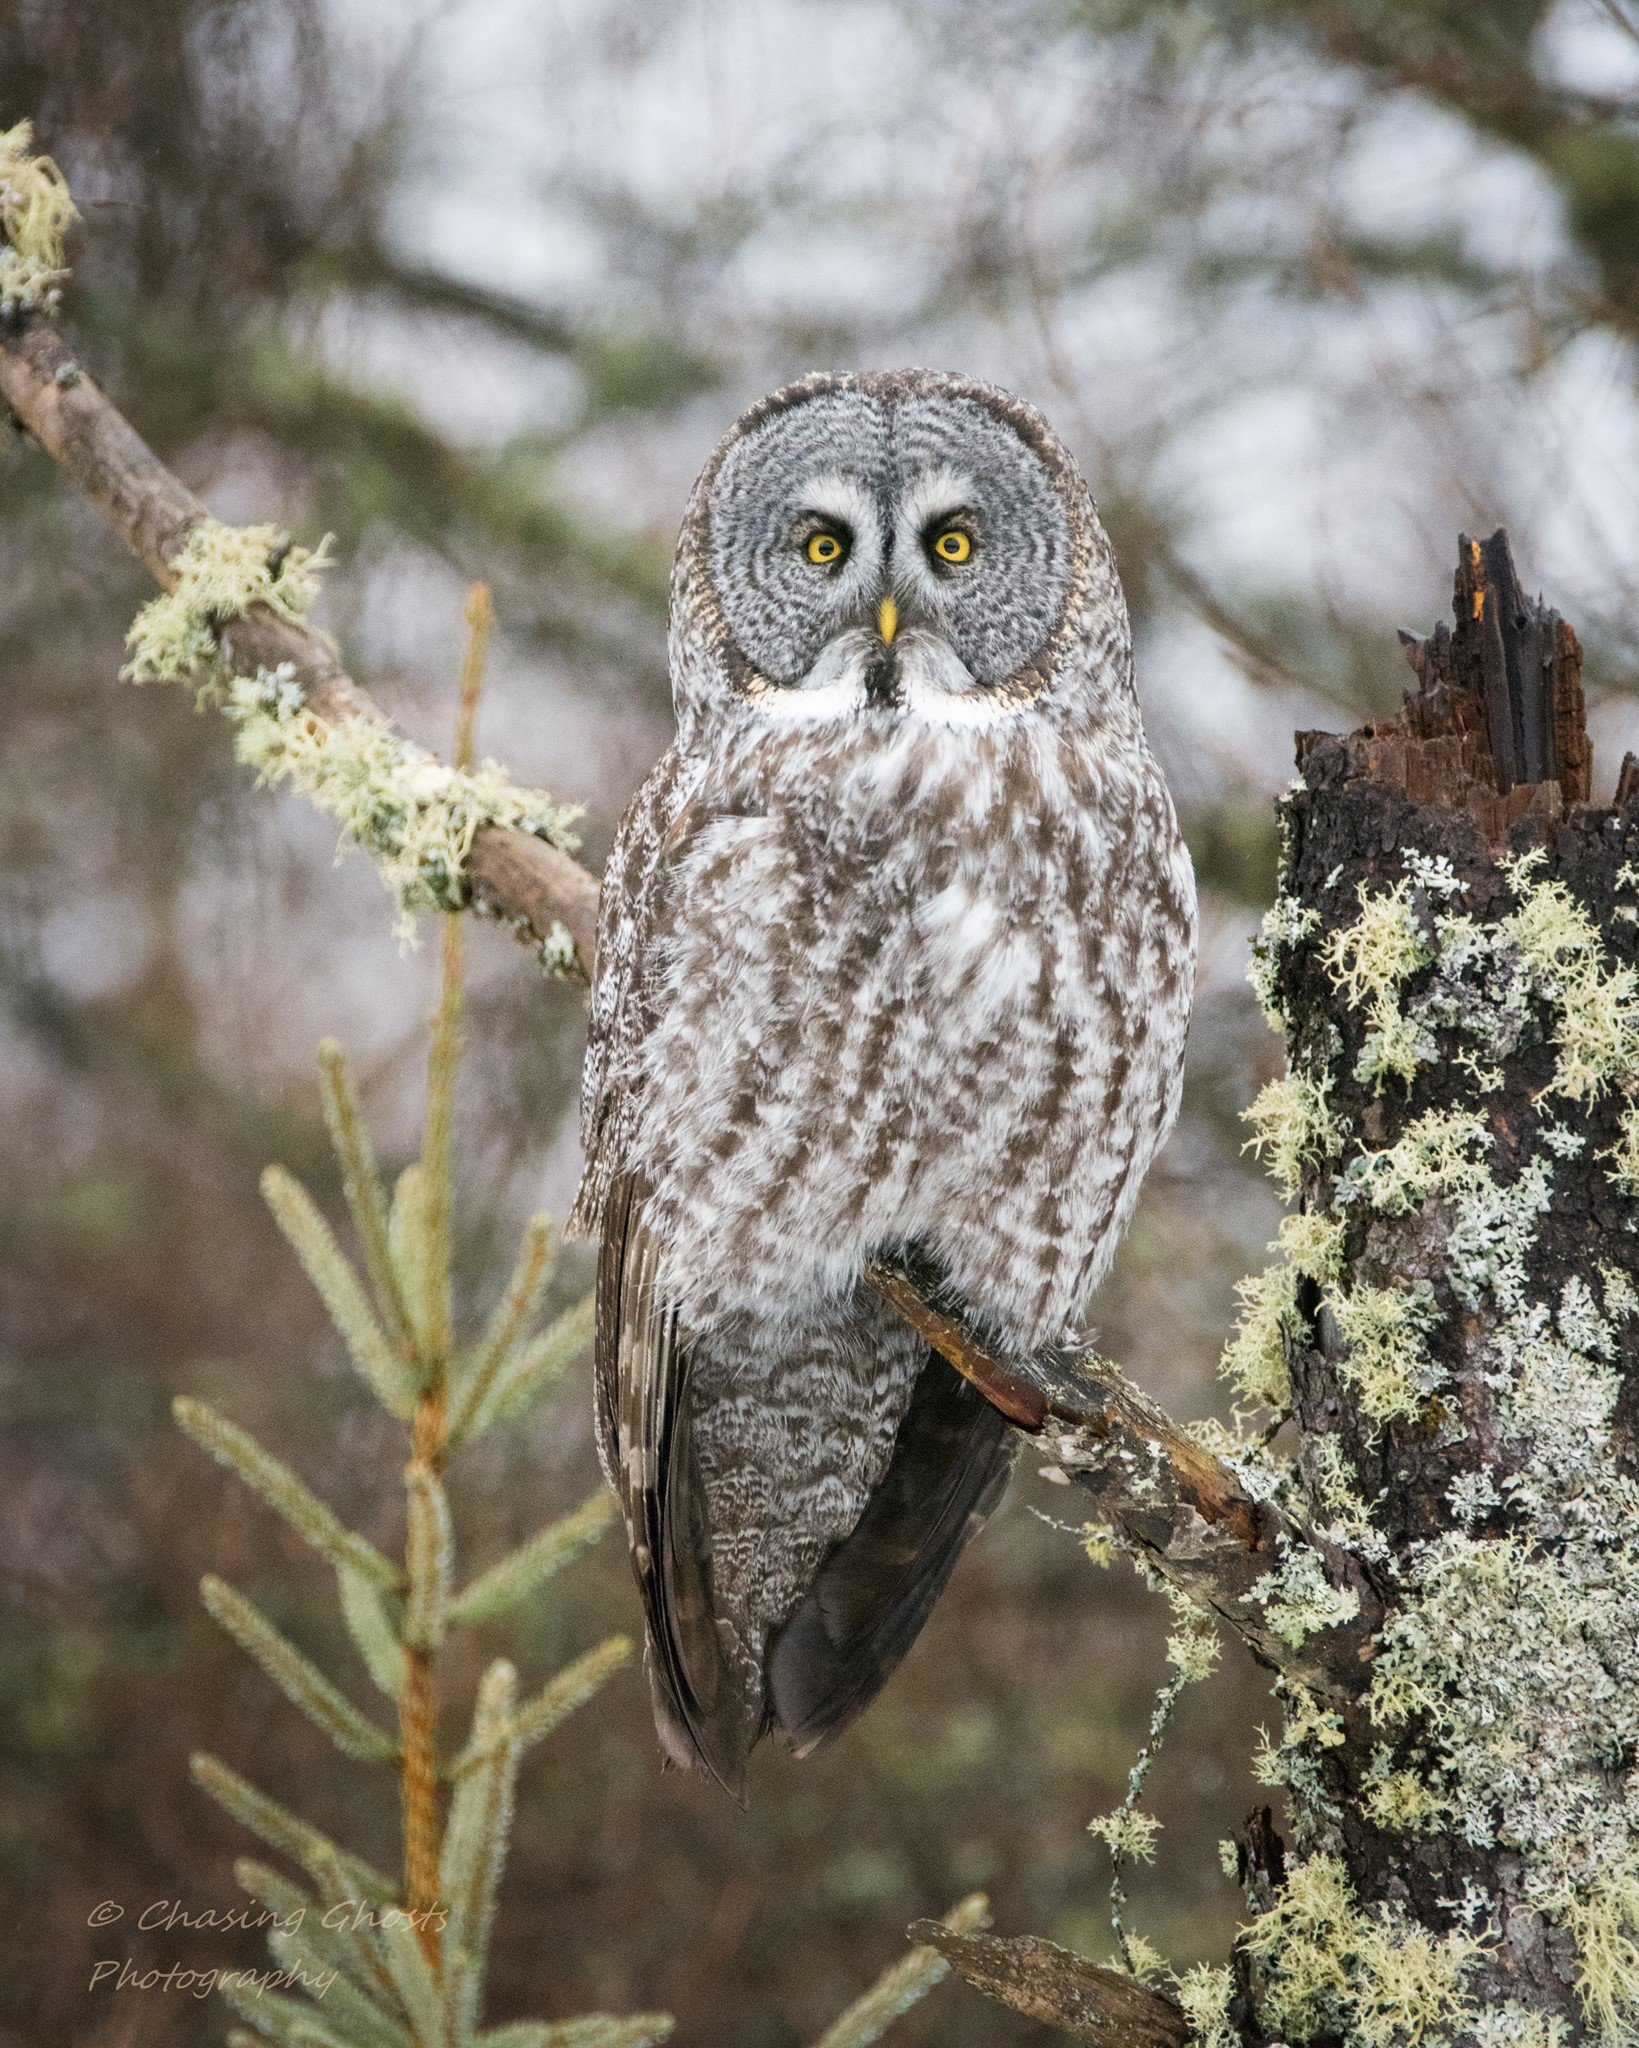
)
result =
(896, 950)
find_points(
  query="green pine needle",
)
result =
(282, 1830)
(284, 2020)
(516, 1576)
(361, 1184)
(475, 1844)
(283, 1492)
(413, 1979)
(429, 1556)
(532, 1368)
(556, 1700)
(407, 1249)
(314, 1243)
(531, 1276)
(901, 1985)
(301, 1682)
(369, 1623)
(639, 2030)
(347, 2008)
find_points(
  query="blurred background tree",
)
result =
(476, 286)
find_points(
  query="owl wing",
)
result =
(645, 1437)
(644, 1426)
(951, 1460)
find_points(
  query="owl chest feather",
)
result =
(901, 994)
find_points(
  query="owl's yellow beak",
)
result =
(887, 618)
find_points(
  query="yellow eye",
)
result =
(824, 549)
(953, 545)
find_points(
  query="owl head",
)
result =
(901, 544)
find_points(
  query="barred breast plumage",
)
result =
(896, 951)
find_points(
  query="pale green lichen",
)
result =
(1506, 1681)
(415, 815)
(36, 213)
(1365, 1975)
(1433, 1156)
(1604, 1921)
(1128, 1833)
(1511, 2025)
(1335, 1487)
(1597, 1026)
(1401, 1801)
(1387, 1363)
(1300, 1600)
(1292, 1127)
(1254, 1359)
(1624, 1154)
(1204, 1994)
(1369, 961)
(220, 571)
(1307, 1729)
(1145, 1961)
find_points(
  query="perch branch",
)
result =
(516, 877)
(1048, 1983)
(1186, 1509)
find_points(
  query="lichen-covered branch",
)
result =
(1045, 1982)
(1303, 1604)
(513, 873)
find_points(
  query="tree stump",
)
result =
(1453, 1327)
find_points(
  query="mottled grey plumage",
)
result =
(896, 950)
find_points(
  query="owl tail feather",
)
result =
(871, 1596)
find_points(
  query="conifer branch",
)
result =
(370, 1626)
(301, 1682)
(274, 2017)
(361, 1184)
(407, 1250)
(355, 2015)
(475, 1843)
(640, 2030)
(531, 1275)
(338, 1945)
(531, 1370)
(429, 1556)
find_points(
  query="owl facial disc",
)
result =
(895, 543)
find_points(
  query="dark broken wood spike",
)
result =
(1627, 783)
(1497, 724)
